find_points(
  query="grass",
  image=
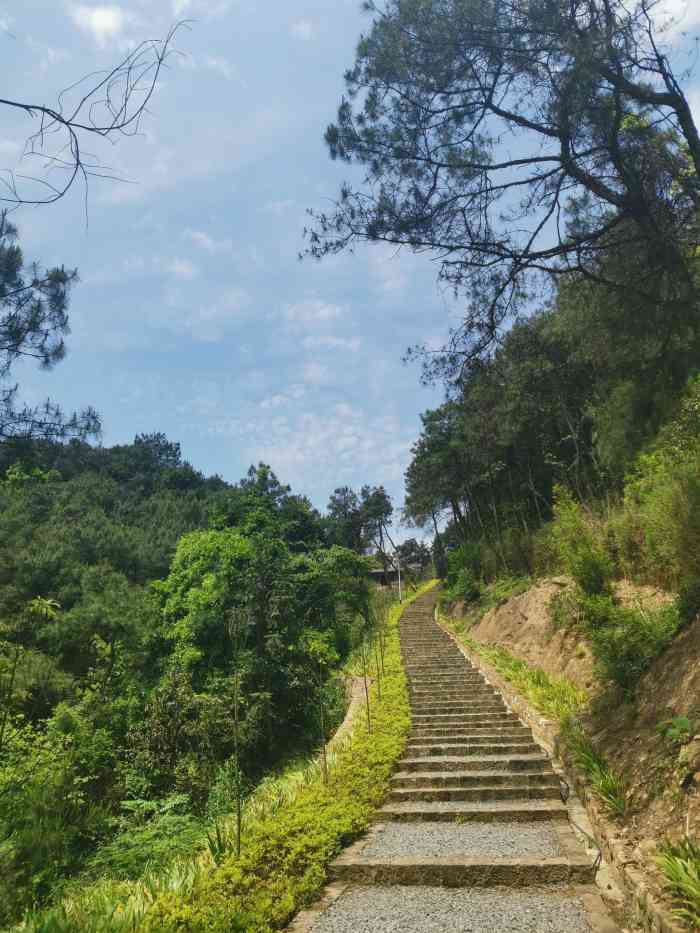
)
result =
(490, 596)
(605, 784)
(294, 825)
(555, 697)
(680, 863)
(559, 699)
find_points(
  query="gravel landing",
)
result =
(475, 840)
(452, 910)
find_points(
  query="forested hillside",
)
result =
(141, 603)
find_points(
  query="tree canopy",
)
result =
(33, 325)
(518, 143)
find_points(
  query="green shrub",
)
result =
(465, 588)
(592, 569)
(565, 608)
(676, 731)
(464, 557)
(578, 551)
(680, 863)
(154, 832)
(688, 601)
(503, 589)
(625, 641)
(598, 611)
(628, 641)
(605, 784)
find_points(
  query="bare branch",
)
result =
(109, 104)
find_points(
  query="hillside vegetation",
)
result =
(166, 640)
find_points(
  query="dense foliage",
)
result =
(293, 825)
(140, 605)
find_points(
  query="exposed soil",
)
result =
(663, 778)
(523, 626)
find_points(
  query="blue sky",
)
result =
(194, 315)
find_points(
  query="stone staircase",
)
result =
(474, 818)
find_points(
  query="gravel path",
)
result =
(475, 840)
(453, 910)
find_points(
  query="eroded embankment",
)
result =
(661, 775)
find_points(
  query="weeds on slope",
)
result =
(680, 863)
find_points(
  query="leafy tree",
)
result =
(415, 552)
(376, 510)
(344, 518)
(608, 152)
(33, 323)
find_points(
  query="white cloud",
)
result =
(206, 242)
(53, 57)
(183, 269)
(312, 311)
(220, 65)
(351, 344)
(212, 321)
(103, 23)
(316, 374)
(303, 29)
(292, 394)
(335, 445)
(204, 8)
(388, 268)
(677, 16)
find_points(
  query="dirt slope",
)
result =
(664, 798)
(523, 626)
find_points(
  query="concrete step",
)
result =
(511, 763)
(445, 683)
(488, 701)
(495, 729)
(446, 696)
(428, 677)
(501, 714)
(422, 750)
(467, 739)
(474, 779)
(495, 811)
(485, 792)
(483, 714)
(440, 690)
(463, 872)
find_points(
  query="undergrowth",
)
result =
(294, 826)
(680, 863)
